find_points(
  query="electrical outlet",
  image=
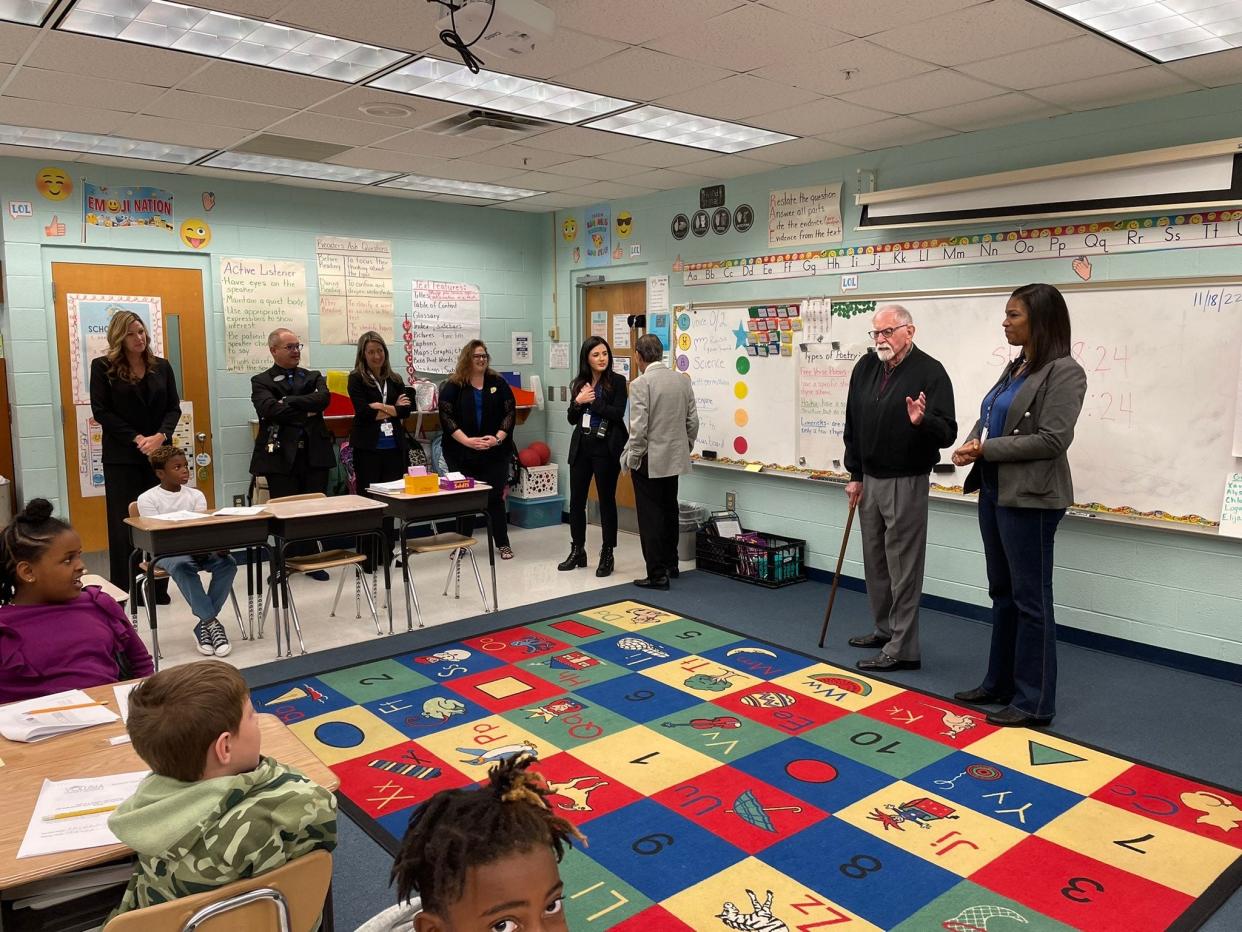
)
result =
(239, 501)
(730, 501)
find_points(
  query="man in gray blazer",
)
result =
(663, 425)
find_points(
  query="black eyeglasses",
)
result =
(291, 347)
(482, 356)
(886, 332)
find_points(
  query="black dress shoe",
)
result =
(1015, 718)
(647, 582)
(673, 572)
(980, 696)
(882, 663)
(868, 640)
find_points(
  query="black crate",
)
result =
(762, 559)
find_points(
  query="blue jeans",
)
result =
(184, 570)
(1017, 546)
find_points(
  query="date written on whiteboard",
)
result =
(1216, 299)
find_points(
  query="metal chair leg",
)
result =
(478, 578)
(410, 595)
(339, 586)
(370, 599)
(237, 611)
(297, 626)
(357, 595)
(453, 558)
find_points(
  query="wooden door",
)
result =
(613, 305)
(180, 294)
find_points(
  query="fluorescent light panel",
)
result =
(441, 80)
(98, 145)
(223, 35)
(687, 129)
(1166, 30)
(30, 12)
(493, 192)
(296, 168)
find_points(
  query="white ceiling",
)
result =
(846, 76)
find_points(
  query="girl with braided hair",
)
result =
(482, 860)
(55, 634)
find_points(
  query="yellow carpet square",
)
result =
(701, 677)
(473, 747)
(630, 615)
(345, 733)
(837, 687)
(643, 760)
(1053, 760)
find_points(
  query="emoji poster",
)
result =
(598, 229)
(128, 207)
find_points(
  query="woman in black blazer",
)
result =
(134, 398)
(381, 404)
(597, 415)
(477, 414)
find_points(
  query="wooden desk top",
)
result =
(156, 525)
(311, 507)
(87, 753)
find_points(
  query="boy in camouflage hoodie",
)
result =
(213, 809)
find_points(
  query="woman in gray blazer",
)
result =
(1017, 449)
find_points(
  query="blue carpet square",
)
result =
(450, 661)
(633, 650)
(296, 700)
(758, 659)
(638, 698)
(426, 711)
(826, 780)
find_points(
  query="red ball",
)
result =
(529, 457)
(542, 451)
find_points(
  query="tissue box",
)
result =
(450, 485)
(422, 485)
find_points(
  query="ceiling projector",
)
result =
(516, 26)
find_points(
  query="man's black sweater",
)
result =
(880, 441)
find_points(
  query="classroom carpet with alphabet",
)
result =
(727, 783)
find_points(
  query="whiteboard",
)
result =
(1155, 437)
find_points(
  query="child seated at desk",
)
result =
(173, 494)
(54, 633)
(214, 810)
(482, 859)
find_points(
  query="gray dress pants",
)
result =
(893, 517)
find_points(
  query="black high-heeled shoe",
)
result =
(576, 558)
(606, 563)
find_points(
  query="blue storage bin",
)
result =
(535, 512)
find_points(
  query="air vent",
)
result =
(289, 147)
(489, 127)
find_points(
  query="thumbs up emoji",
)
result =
(55, 228)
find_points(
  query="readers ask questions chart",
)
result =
(1156, 434)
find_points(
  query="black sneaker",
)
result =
(220, 645)
(205, 646)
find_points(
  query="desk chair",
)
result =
(118, 594)
(456, 544)
(393, 917)
(321, 560)
(287, 899)
(143, 579)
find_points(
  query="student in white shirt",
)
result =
(172, 494)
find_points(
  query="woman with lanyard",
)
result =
(381, 404)
(597, 414)
(1018, 463)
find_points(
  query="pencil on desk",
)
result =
(65, 708)
(78, 812)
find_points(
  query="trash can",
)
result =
(690, 517)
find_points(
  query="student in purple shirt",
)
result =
(54, 634)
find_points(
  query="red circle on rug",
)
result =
(811, 771)
(739, 445)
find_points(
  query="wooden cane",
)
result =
(836, 577)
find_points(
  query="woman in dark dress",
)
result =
(134, 398)
(477, 414)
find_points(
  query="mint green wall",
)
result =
(1161, 587)
(502, 252)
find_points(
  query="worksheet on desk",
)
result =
(71, 815)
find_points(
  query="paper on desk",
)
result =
(242, 511)
(454, 476)
(71, 815)
(45, 716)
(181, 516)
(397, 485)
(122, 699)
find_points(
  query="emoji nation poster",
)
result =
(128, 207)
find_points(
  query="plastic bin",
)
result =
(763, 559)
(535, 512)
(690, 517)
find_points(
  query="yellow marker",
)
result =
(78, 812)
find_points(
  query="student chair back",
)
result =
(287, 899)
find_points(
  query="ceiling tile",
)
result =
(737, 97)
(822, 116)
(387, 160)
(1110, 90)
(994, 111)
(608, 190)
(983, 31)
(183, 105)
(581, 141)
(393, 24)
(1079, 59)
(21, 112)
(598, 169)
(248, 82)
(421, 143)
(749, 37)
(800, 152)
(556, 199)
(422, 110)
(465, 170)
(635, 21)
(656, 155)
(850, 66)
(938, 88)
(80, 90)
(28, 152)
(181, 132)
(643, 75)
(91, 55)
(255, 9)
(323, 128)
(864, 17)
(522, 157)
(523, 206)
(664, 179)
(897, 131)
(567, 51)
(541, 181)
(1215, 70)
(15, 39)
(728, 166)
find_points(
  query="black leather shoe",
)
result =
(606, 563)
(647, 582)
(883, 663)
(868, 640)
(576, 558)
(979, 696)
(1014, 718)
(673, 572)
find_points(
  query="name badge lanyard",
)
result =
(385, 426)
(995, 394)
